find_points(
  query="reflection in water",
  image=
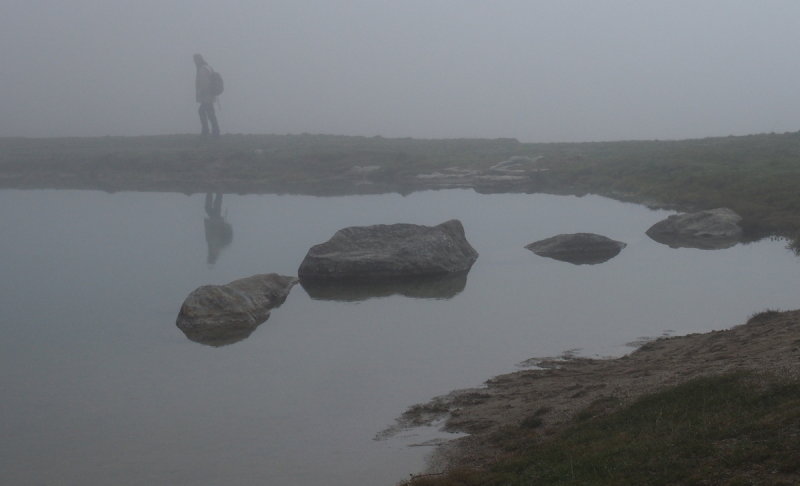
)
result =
(222, 335)
(586, 258)
(698, 243)
(793, 245)
(441, 287)
(219, 233)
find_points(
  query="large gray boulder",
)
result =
(382, 252)
(578, 248)
(223, 314)
(709, 229)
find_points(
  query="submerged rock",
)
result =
(578, 248)
(217, 315)
(710, 229)
(382, 252)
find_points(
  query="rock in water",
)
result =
(710, 229)
(382, 252)
(223, 314)
(578, 248)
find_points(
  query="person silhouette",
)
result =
(205, 96)
(219, 233)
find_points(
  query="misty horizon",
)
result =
(575, 71)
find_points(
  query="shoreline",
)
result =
(549, 399)
(754, 175)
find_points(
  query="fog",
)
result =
(534, 70)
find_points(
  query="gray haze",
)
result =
(534, 70)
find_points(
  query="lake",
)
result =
(100, 387)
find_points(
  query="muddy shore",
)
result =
(559, 388)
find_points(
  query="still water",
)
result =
(100, 387)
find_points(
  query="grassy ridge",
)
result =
(757, 175)
(310, 164)
(731, 429)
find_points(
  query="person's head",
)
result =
(198, 60)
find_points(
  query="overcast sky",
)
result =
(555, 70)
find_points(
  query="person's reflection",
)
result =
(219, 233)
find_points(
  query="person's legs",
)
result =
(204, 117)
(212, 116)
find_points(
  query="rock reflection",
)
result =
(221, 336)
(588, 259)
(697, 242)
(442, 287)
(219, 233)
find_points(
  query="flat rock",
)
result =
(382, 252)
(710, 229)
(578, 248)
(217, 315)
(517, 164)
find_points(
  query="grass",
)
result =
(731, 429)
(764, 315)
(757, 176)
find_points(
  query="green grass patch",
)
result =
(731, 429)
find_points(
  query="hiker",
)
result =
(205, 95)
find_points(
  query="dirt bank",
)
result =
(553, 394)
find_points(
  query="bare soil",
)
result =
(560, 388)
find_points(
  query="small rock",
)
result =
(578, 248)
(217, 315)
(711, 229)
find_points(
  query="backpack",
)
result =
(215, 85)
